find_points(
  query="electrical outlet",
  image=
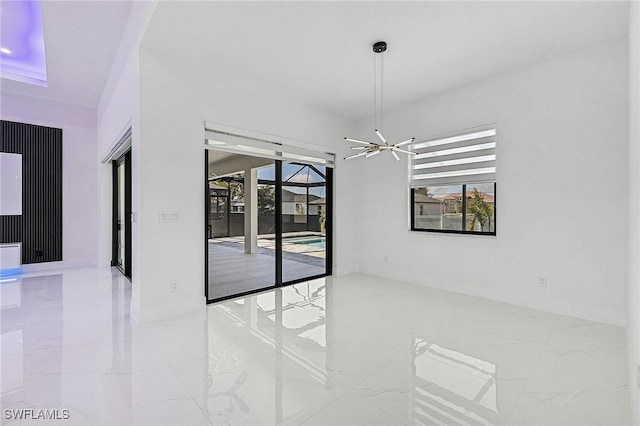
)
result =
(169, 217)
(174, 286)
(542, 281)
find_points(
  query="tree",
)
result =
(236, 189)
(266, 200)
(323, 218)
(478, 210)
(423, 191)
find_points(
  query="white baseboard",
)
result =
(344, 269)
(64, 264)
(167, 311)
(589, 313)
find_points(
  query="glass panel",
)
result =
(241, 257)
(438, 207)
(303, 222)
(441, 208)
(314, 176)
(267, 213)
(298, 173)
(218, 218)
(481, 208)
(122, 223)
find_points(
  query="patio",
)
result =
(232, 271)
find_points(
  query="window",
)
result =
(453, 183)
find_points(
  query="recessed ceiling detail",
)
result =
(22, 53)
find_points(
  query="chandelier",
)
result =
(373, 148)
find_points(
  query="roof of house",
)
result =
(421, 198)
(217, 187)
(289, 197)
(292, 197)
(458, 195)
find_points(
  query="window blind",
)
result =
(467, 157)
(261, 147)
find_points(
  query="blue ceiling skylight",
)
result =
(22, 55)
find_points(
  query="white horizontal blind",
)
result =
(258, 147)
(468, 157)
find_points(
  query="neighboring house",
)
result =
(296, 204)
(237, 206)
(292, 204)
(453, 202)
(426, 205)
(316, 205)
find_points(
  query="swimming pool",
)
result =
(307, 241)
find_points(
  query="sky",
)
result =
(441, 191)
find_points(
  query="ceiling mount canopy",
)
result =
(373, 148)
(379, 46)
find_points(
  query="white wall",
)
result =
(119, 108)
(79, 174)
(561, 192)
(633, 328)
(115, 115)
(171, 164)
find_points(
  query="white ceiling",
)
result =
(320, 52)
(81, 39)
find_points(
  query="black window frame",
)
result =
(464, 214)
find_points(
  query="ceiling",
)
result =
(81, 39)
(319, 53)
(22, 54)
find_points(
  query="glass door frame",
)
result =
(328, 227)
(278, 232)
(122, 161)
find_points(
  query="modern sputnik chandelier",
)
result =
(373, 148)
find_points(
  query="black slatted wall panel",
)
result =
(39, 228)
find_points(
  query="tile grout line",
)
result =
(592, 421)
(535, 364)
(352, 388)
(589, 421)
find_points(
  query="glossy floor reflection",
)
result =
(352, 350)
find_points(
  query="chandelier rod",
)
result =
(374, 148)
(382, 92)
(375, 92)
(378, 90)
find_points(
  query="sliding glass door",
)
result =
(268, 223)
(240, 226)
(304, 221)
(121, 226)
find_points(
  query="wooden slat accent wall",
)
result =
(39, 228)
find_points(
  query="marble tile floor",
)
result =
(350, 350)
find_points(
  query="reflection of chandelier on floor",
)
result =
(372, 148)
